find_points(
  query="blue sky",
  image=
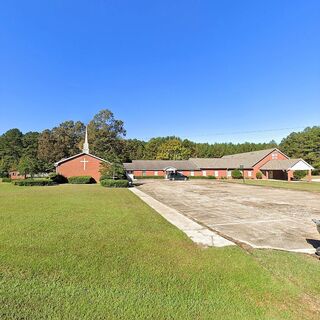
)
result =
(203, 70)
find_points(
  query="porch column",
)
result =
(267, 174)
(290, 175)
(309, 178)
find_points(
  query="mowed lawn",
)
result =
(87, 252)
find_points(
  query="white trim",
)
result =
(79, 155)
(170, 169)
(301, 165)
(275, 149)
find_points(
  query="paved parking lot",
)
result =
(259, 216)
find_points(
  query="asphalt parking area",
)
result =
(258, 216)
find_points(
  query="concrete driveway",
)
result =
(259, 216)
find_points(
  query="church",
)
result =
(81, 164)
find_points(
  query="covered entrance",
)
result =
(168, 171)
(284, 169)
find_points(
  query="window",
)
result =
(192, 173)
(156, 173)
(216, 173)
(204, 173)
(274, 156)
(144, 172)
(249, 173)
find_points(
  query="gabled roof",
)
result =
(79, 155)
(160, 165)
(287, 164)
(233, 161)
(248, 160)
(251, 158)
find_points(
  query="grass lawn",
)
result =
(295, 185)
(87, 252)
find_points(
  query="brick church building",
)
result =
(82, 164)
(270, 163)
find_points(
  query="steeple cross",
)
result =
(84, 161)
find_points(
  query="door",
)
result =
(270, 174)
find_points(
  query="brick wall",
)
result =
(75, 167)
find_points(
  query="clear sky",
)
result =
(203, 70)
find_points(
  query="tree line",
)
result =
(35, 152)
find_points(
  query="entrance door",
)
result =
(270, 174)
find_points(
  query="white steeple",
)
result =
(86, 144)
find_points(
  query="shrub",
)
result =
(298, 175)
(6, 180)
(81, 180)
(236, 174)
(58, 178)
(110, 183)
(34, 182)
(223, 178)
(259, 175)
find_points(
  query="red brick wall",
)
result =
(138, 173)
(74, 167)
(14, 175)
(256, 168)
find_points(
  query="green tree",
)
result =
(106, 135)
(133, 149)
(173, 150)
(30, 144)
(112, 171)
(11, 145)
(60, 142)
(304, 144)
(27, 165)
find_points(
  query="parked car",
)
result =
(177, 176)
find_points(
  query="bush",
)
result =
(58, 178)
(34, 182)
(259, 175)
(6, 180)
(298, 175)
(81, 180)
(109, 183)
(236, 174)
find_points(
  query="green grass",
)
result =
(295, 185)
(87, 252)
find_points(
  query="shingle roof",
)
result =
(233, 161)
(280, 164)
(160, 165)
(220, 163)
(249, 159)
